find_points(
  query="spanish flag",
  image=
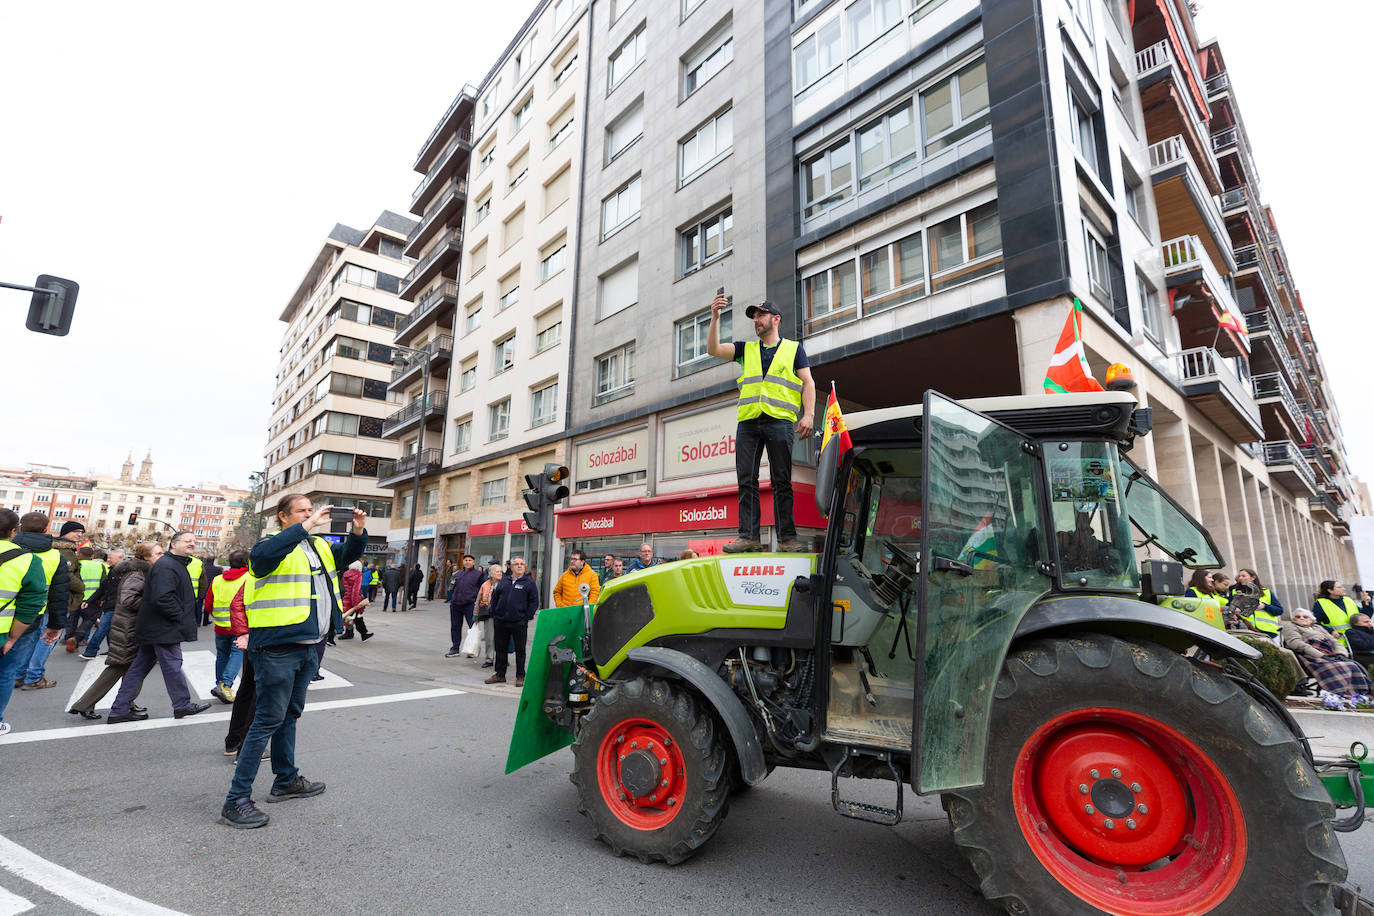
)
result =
(835, 426)
(1229, 322)
(1069, 370)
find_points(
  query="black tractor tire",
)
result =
(661, 720)
(1171, 730)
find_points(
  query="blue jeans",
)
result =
(283, 676)
(389, 599)
(12, 662)
(102, 630)
(38, 652)
(228, 659)
(168, 658)
(752, 437)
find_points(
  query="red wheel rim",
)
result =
(1128, 814)
(641, 774)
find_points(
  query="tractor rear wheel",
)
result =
(1124, 777)
(650, 769)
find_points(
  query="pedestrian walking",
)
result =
(567, 591)
(293, 605)
(354, 602)
(367, 580)
(23, 597)
(467, 582)
(392, 581)
(58, 556)
(513, 604)
(775, 391)
(166, 618)
(431, 582)
(195, 568)
(413, 583)
(483, 611)
(131, 574)
(225, 591)
(103, 602)
(79, 622)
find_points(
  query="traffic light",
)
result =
(542, 493)
(133, 519)
(51, 308)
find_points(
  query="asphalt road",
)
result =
(418, 816)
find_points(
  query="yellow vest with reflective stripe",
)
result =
(91, 571)
(1264, 621)
(282, 597)
(51, 559)
(224, 592)
(12, 575)
(1338, 615)
(777, 395)
(195, 567)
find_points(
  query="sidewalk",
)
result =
(412, 644)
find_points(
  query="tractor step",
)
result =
(862, 811)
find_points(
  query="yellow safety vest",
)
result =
(282, 597)
(224, 592)
(12, 574)
(1264, 621)
(1338, 615)
(91, 573)
(195, 567)
(777, 395)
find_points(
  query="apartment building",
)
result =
(925, 187)
(332, 395)
(212, 513)
(504, 379)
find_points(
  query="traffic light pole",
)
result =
(542, 494)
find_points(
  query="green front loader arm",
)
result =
(533, 735)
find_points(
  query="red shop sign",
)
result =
(486, 529)
(692, 512)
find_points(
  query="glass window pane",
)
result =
(727, 222)
(973, 89)
(871, 153)
(910, 266)
(901, 134)
(877, 277)
(806, 63)
(937, 106)
(830, 51)
(846, 285)
(860, 24)
(946, 248)
(986, 229)
(817, 293)
(712, 239)
(841, 165)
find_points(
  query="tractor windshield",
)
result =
(1092, 532)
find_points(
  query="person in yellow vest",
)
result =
(196, 570)
(225, 592)
(58, 556)
(776, 391)
(1266, 618)
(1333, 608)
(1200, 586)
(91, 571)
(23, 596)
(293, 604)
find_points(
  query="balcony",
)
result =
(411, 414)
(1217, 85)
(395, 471)
(449, 202)
(1287, 466)
(1324, 509)
(1183, 191)
(1189, 271)
(1269, 348)
(429, 265)
(1325, 470)
(457, 110)
(1170, 102)
(1275, 397)
(445, 293)
(1254, 258)
(444, 164)
(1215, 389)
(440, 352)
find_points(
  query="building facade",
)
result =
(332, 395)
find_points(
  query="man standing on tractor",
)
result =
(775, 391)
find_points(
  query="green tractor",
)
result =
(976, 625)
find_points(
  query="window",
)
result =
(462, 434)
(517, 170)
(965, 247)
(544, 405)
(955, 107)
(830, 297)
(548, 329)
(429, 500)
(626, 57)
(1098, 278)
(557, 190)
(1083, 123)
(504, 354)
(707, 240)
(499, 422)
(482, 210)
(1135, 196)
(561, 10)
(615, 373)
(706, 63)
(510, 291)
(353, 311)
(473, 319)
(514, 228)
(459, 490)
(337, 424)
(868, 19)
(467, 374)
(524, 58)
(887, 145)
(620, 208)
(553, 262)
(486, 159)
(691, 340)
(688, 6)
(350, 347)
(819, 54)
(358, 276)
(478, 258)
(709, 144)
(892, 275)
(493, 100)
(827, 178)
(350, 385)
(521, 116)
(626, 129)
(1149, 310)
(494, 491)
(561, 127)
(565, 70)
(331, 463)
(619, 289)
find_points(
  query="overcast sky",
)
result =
(184, 161)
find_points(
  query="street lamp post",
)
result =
(397, 359)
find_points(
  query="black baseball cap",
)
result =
(764, 306)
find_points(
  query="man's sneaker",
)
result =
(222, 693)
(495, 679)
(367, 636)
(4, 729)
(301, 788)
(742, 545)
(243, 814)
(792, 546)
(451, 653)
(191, 710)
(84, 657)
(231, 752)
(40, 684)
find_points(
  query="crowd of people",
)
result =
(1332, 642)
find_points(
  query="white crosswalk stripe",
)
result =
(13, 904)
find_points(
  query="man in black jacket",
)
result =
(392, 580)
(1360, 636)
(166, 619)
(513, 603)
(103, 601)
(413, 583)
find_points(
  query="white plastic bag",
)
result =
(473, 643)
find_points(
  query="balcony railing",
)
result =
(448, 289)
(1218, 84)
(1326, 504)
(1185, 254)
(439, 346)
(429, 460)
(1284, 452)
(1173, 151)
(451, 239)
(1254, 257)
(455, 189)
(462, 137)
(1314, 456)
(1203, 364)
(468, 92)
(1271, 387)
(438, 400)
(1156, 57)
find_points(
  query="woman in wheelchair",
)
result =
(1323, 657)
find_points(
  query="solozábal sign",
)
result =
(762, 581)
(614, 455)
(700, 443)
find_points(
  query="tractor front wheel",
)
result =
(1125, 778)
(650, 770)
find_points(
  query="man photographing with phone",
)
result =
(776, 391)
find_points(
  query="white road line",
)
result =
(85, 893)
(13, 904)
(199, 667)
(82, 731)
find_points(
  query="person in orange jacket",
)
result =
(566, 592)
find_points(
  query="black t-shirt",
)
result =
(766, 355)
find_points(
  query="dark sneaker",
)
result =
(487, 663)
(742, 545)
(495, 679)
(40, 684)
(451, 653)
(190, 710)
(231, 752)
(301, 788)
(243, 814)
(367, 636)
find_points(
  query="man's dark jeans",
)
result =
(389, 599)
(457, 614)
(751, 438)
(282, 675)
(504, 633)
